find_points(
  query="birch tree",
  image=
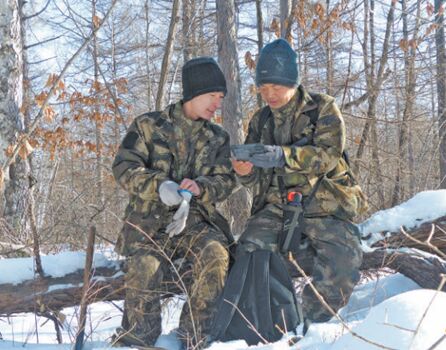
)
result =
(189, 10)
(15, 178)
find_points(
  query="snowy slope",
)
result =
(391, 312)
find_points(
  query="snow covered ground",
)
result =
(391, 312)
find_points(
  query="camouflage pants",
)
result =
(333, 246)
(204, 268)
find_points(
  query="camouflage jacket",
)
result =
(315, 167)
(165, 145)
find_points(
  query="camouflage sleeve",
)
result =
(253, 136)
(131, 165)
(328, 144)
(220, 181)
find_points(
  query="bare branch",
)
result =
(38, 12)
(250, 325)
(425, 243)
(41, 42)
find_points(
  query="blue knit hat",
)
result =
(277, 64)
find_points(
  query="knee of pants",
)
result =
(336, 272)
(142, 270)
(212, 264)
(214, 253)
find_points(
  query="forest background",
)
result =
(75, 73)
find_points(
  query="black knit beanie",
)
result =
(277, 64)
(200, 76)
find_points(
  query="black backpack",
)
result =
(259, 288)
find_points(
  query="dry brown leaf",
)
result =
(34, 143)
(413, 43)
(275, 27)
(319, 9)
(48, 114)
(25, 150)
(96, 21)
(9, 150)
(51, 79)
(96, 85)
(430, 29)
(250, 63)
(40, 98)
(404, 45)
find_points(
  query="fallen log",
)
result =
(436, 228)
(427, 272)
(52, 294)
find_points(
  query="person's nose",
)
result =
(268, 94)
(217, 103)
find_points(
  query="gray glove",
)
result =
(245, 152)
(168, 192)
(272, 158)
(180, 217)
(263, 156)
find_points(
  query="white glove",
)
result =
(169, 194)
(180, 217)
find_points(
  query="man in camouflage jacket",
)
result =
(176, 166)
(303, 140)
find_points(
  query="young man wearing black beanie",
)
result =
(175, 165)
(305, 195)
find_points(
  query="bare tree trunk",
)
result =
(371, 112)
(441, 85)
(232, 104)
(349, 66)
(399, 176)
(201, 40)
(34, 231)
(259, 39)
(285, 10)
(167, 55)
(303, 55)
(188, 29)
(228, 58)
(373, 85)
(98, 123)
(410, 81)
(80, 336)
(147, 39)
(329, 55)
(13, 201)
(374, 82)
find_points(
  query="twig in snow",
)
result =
(330, 309)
